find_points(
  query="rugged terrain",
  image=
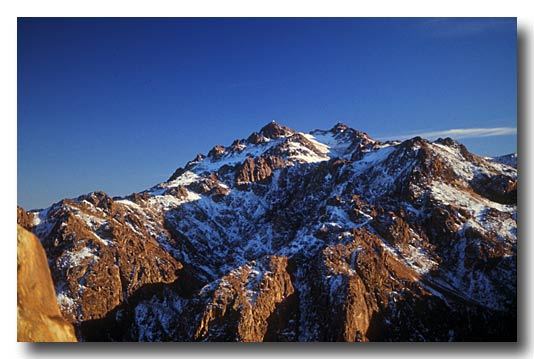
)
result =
(38, 316)
(288, 236)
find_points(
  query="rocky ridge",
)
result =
(509, 159)
(288, 236)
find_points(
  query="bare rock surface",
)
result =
(38, 315)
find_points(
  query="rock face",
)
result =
(257, 169)
(243, 301)
(38, 315)
(24, 219)
(275, 130)
(101, 252)
(288, 236)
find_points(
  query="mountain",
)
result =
(288, 236)
(510, 159)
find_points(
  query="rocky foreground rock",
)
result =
(38, 315)
(288, 236)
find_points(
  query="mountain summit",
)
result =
(274, 130)
(289, 236)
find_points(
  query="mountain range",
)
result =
(288, 236)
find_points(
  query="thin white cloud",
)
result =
(458, 133)
(451, 27)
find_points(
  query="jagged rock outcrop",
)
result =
(216, 152)
(257, 169)
(288, 236)
(24, 219)
(243, 301)
(275, 130)
(101, 252)
(38, 315)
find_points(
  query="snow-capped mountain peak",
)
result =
(314, 229)
(285, 143)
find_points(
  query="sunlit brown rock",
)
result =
(38, 315)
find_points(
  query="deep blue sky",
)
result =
(118, 104)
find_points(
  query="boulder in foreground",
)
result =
(38, 315)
